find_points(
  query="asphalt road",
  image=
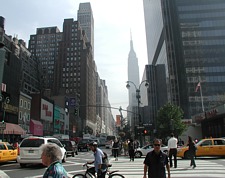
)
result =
(73, 165)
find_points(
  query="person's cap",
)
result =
(93, 144)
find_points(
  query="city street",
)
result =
(206, 167)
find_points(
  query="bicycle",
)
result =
(109, 174)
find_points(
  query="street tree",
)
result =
(169, 120)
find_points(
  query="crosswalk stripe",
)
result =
(205, 168)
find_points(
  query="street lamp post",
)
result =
(138, 96)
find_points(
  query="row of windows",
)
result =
(71, 85)
(214, 60)
(24, 104)
(214, 6)
(217, 79)
(205, 69)
(203, 42)
(71, 74)
(207, 33)
(204, 52)
(71, 79)
(202, 15)
(24, 117)
(206, 98)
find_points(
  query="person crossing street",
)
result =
(172, 147)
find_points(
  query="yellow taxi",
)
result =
(7, 152)
(205, 147)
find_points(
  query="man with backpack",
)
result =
(100, 161)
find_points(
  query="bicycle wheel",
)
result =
(116, 176)
(78, 176)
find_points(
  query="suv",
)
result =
(30, 151)
(70, 146)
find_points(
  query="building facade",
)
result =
(86, 20)
(44, 46)
(187, 36)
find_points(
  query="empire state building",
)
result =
(133, 77)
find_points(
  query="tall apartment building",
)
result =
(76, 75)
(85, 17)
(44, 48)
(187, 36)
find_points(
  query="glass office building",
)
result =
(188, 36)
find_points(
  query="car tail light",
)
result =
(18, 150)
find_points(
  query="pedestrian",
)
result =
(192, 150)
(156, 161)
(115, 147)
(51, 156)
(172, 148)
(99, 167)
(131, 149)
(125, 147)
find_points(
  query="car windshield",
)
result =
(32, 143)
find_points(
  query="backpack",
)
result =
(105, 158)
(131, 146)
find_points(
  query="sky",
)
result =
(114, 22)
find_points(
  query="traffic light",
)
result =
(145, 132)
(76, 110)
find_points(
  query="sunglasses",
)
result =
(156, 144)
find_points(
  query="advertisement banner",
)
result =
(118, 121)
(46, 110)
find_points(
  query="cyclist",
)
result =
(99, 168)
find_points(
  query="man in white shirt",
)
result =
(172, 147)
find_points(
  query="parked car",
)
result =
(83, 145)
(7, 152)
(30, 150)
(70, 146)
(145, 149)
(205, 147)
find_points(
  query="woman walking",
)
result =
(192, 151)
(131, 149)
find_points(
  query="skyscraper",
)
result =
(133, 77)
(188, 37)
(133, 74)
(86, 20)
(44, 48)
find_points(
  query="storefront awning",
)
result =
(36, 127)
(14, 129)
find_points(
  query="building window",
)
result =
(25, 104)
(20, 115)
(28, 117)
(28, 105)
(21, 103)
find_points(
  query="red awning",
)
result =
(13, 129)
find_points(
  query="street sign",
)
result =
(140, 127)
(2, 125)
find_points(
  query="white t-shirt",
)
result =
(172, 143)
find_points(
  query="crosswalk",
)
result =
(206, 168)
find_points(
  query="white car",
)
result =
(30, 150)
(139, 152)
